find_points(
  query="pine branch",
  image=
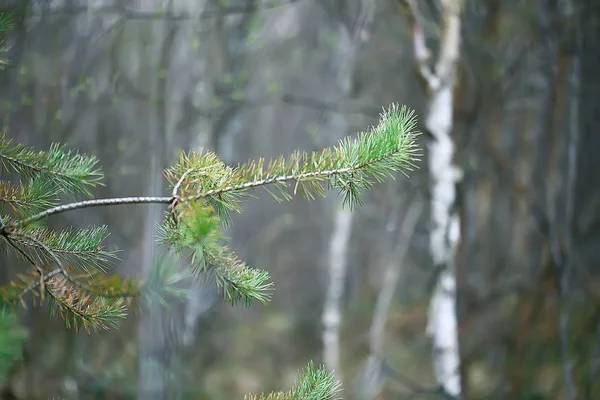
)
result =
(79, 247)
(196, 230)
(314, 384)
(24, 199)
(80, 309)
(80, 303)
(240, 283)
(99, 304)
(350, 167)
(88, 204)
(69, 171)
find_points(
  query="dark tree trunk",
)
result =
(586, 231)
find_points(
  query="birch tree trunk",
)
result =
(444, 175)
(343, 61)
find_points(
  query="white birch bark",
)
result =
(344, 61)
(444, 175)
(340, 236)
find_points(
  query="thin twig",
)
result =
(34, 264)
(292, 177)
(46, 248)
(86, 204)
(179, 182)
(41, 283)
(61, 269)
(168, 200)
(422, 53)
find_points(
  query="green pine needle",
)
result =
(203, 171)
(25, 199)
(240, 283)
(6, 22)
(197, 232)
(207, 190)
(71, 172)
(350, 167)
(314, 384)
(102, 314)
(81, 309)
(81, 248)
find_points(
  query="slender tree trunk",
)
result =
(343, 71)
(444, 175)
(154, 352)
(585, 226)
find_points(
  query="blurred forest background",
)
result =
(136, 81)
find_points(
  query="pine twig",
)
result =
(87, 204)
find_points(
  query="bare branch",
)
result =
(422, 53)
(85, 204)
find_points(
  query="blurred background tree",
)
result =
(133, 82)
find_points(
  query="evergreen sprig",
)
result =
(80, 308)
(71, 172)
(194, 229)
(26, 198)
(314, 384)
(81, 247)
(205, 190)
(350, 167)
(91, 301)
(240, 283)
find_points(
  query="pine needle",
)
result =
(350, 167)
(27, 198)
(314, 384)
(80, 247)
(71, 172)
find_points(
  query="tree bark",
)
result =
(444, 176)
